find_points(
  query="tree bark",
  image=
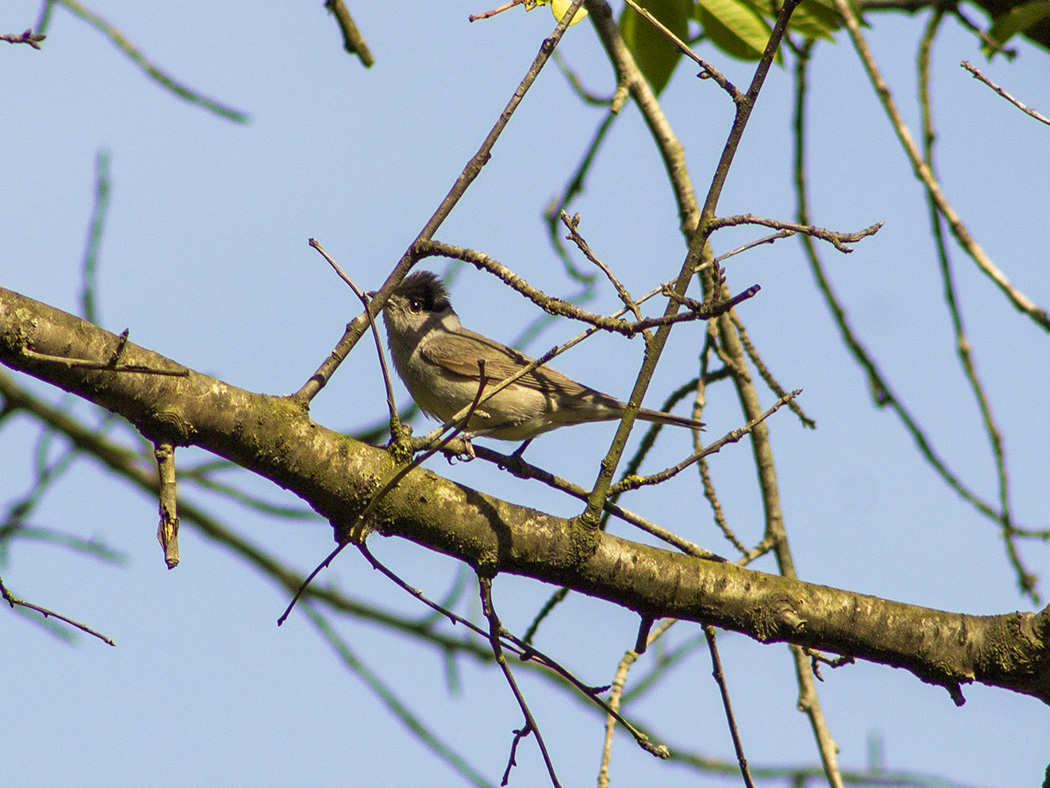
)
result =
(338, 476)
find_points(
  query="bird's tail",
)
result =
(658, 417)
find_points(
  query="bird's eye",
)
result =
(415, 305)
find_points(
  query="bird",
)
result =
(439, 362)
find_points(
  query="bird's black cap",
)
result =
(425, 289)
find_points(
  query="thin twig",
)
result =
(26, 37)
(573, 188)
(709, 71)
(634, 482)
(12, 600)
(1026, 580)
(94, 242)
(523, 650)
(961, 232)
(836, 239)
(711, 495)
(498, 10)
(585, 95)
(112, 365)
(573, 225)
(1026, 110)
(522, 469)
(752, 244)
(766, 374)
(356, 531)
(816, 658)
(44, 20)
(396, 431)
(616, 696)
(723, 688)
(559, 307)
(356, 328)
(704, 469)
(495, 634)
(154, 72)
(610, 721)
(380, 567)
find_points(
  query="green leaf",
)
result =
(655, 54)
(1016, 20)
(815, 19)
(735, 27)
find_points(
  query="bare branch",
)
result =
(26, 37)
(353, 41)
(836, 239)
(922, 172)
(723, 688)
(153, 71)
(12, 600)
(495, 635)
(466, 177)
(1026, 110)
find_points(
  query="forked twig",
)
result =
(616, 695)
(523, 650)
(1026, 579)
(355, 532)
(395, 422)
(495, 634)
(356, 328)
(709, 71)
(836, 239)
(561, 308)
(634, 482)
(524, 470)
(961, 232)
(113, 364)
(572, 224)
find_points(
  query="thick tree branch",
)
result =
(274, 437)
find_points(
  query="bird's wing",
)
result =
(459, 354)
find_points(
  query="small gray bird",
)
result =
(438, 361)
